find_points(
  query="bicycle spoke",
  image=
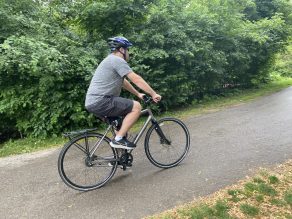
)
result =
(80, 147)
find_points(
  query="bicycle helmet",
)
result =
(118, 42)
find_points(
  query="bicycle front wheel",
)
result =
(167, 142)
(83, 172)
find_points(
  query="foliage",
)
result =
(43, 76)
(185, 49)
(42, 85)
(230, 98)
(283, 64)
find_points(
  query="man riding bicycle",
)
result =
(103, 95)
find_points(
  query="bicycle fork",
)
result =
(163, 139)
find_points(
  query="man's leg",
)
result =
(132, 110)
(130, 119)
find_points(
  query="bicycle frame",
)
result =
(150, 118)
(142, 130)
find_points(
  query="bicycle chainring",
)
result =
(126, 160)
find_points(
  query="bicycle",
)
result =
(88, 162)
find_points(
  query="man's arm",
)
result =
(127, 85)
(142, 84)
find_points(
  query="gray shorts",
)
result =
(111, 106)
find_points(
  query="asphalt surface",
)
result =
(225, 146)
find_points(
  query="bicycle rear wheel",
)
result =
(80, 171)
(167, 142)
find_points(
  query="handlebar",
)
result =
(147, 99)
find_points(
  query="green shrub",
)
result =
(186, 50)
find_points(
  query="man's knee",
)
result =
(137, 106)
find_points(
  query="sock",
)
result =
(117, 138)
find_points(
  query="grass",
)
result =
(268, 194)
(231, 99)
(210, 104)
(249, 210)
(28, 145)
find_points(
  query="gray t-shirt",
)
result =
(107, 79)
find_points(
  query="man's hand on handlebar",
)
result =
(141, 96)
(156, 97)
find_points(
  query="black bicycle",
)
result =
(88, 161)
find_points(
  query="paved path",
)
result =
(225, 146)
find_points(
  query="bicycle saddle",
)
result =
(116, 121)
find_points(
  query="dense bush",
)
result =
(283, 65)
(185, 49)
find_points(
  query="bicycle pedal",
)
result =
(125, 167)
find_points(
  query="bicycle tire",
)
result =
(153, 143)
(74, 163)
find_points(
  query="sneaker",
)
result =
(123, 143)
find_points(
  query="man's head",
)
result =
(120, 45)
